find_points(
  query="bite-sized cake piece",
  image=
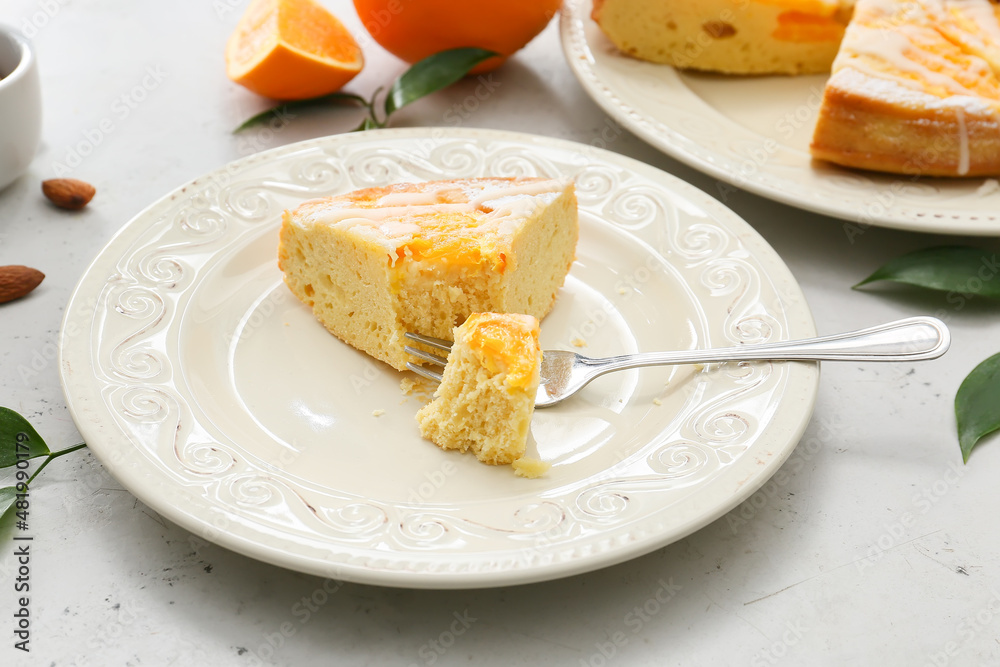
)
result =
(375, 263)
(732, 36)
(915, 90)
(487, 395)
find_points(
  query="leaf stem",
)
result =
(68, 450)
(371, 109)
(54, 455)
(40, 469)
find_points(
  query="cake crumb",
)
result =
(657, 401)
(578, 342)
(622, 290)
(419, 387)
(530, 468)
(378, 413)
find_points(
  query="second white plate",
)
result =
(214, 396)
(754, 132)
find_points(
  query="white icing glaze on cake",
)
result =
(387, 222)
(963, 142)
(893, 90)
(985, 17)
(890, 46)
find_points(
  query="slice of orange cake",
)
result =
(916, 90)
(487, 394)
(731, 36)
(375, 263)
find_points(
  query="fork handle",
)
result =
(911, 339)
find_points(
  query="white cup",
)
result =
(20, 106)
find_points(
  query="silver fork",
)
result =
(565, 373)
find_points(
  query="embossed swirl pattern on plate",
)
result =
(143, 301)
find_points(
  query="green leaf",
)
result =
(283, 112)
(15, 429)
(8, 495)
(367, 124)
(432, 74)
(957, 269)
(977, 404)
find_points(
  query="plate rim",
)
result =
(132, 478)
(577, 55)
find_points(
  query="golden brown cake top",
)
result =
(912, 52)
(504, 343)
(461, 221)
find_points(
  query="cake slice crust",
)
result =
(915, 90)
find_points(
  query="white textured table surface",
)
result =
(876, 546)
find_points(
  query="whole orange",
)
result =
(415, 29)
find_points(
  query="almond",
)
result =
(17, 281)
(68, 192)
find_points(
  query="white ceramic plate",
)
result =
(754, 132)
(216, 398)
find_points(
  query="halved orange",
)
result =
(291, 50)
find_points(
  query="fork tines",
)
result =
(435, 343)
